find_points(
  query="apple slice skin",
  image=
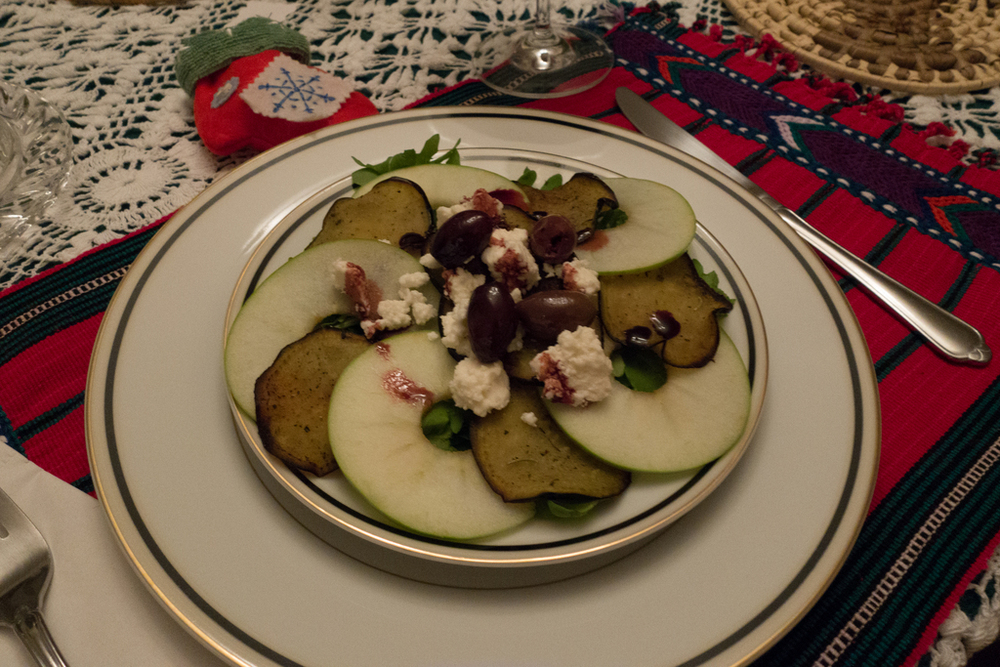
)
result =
(446, 184)
(376, 437)
(695, 418)
(660, 227)
(290, 302)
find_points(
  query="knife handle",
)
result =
(944, 331)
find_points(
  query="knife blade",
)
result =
(948, 334)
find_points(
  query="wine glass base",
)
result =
(517, 62)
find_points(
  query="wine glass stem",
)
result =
(542, 34)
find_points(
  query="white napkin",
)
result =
(99, 612)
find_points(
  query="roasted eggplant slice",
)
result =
(292, 397)
(524, 462)
(629, 300)
(578, 200)
(391, 209)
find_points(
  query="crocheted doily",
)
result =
(917, 46)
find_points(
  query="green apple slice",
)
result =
(296, 297)
(446, 184)
(376, 436)
(691, 420)
(660, 227)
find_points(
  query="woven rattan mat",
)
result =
(916, 46)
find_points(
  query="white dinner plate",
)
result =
(214, 546)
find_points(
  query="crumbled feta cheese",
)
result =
(339, 273)
(577, 276)
(444, 212)
(509, 259)
(394, 314)
(530, 418)
(423, 312)
(575, 370)
(480, 200)
(480, 387)
(517, 343)
(433, 335)
(429, 262)
(459, 286)
(385, 241)
(516, 295)
(414, 280)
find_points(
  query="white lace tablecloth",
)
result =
(137, 155)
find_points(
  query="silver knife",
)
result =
(950, 335)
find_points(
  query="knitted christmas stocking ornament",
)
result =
(252, 87)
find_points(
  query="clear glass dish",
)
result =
(35, 157)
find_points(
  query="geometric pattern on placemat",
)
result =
(47, 329)
(886, 179)
(907, 543)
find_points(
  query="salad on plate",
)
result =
(467, 349)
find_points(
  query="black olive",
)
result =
(553, 239)
(462, 236)
(547, 314)
(492, 321)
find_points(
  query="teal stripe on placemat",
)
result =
(879, 252)
(947, 557)
(469, 95)
(48, 418)
(913, 341)
(65, 297)
(816, 198)
(85, 484)
(884, 537)
(751, 163)
(8, 434)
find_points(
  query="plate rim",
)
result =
(848, 331)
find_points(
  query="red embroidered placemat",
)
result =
(855, 171)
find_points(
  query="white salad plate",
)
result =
(222, 553)
(543, 550)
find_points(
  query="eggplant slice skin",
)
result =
(629, 299)
(522, 462)
(577, 200)
(393, 208)
(292, 397)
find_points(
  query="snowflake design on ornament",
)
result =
(292, 91)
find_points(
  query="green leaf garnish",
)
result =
(447, 426)
(552, 182)
(564, 510)
(527, 177)
(342, 322)
(642, 369)
(408, 158)
(711, 279)
(609, 216)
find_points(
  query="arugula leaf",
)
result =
(407, 158)
(712, 279)
(564, 510)
(608, 215)
(527, 177)
(641, 368)
(342, 322)
(447, 426)
(552, 182)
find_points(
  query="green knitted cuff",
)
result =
(210, 51)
